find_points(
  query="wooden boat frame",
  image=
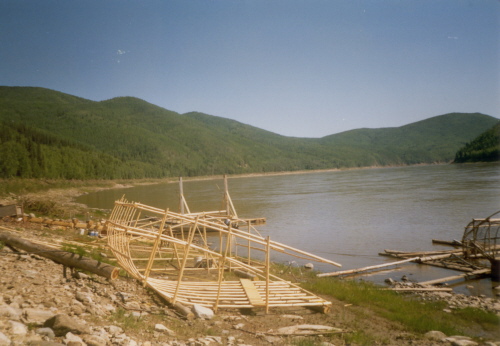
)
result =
(170, 253)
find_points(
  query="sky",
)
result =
(302, 68)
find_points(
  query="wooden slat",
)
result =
(252, 293)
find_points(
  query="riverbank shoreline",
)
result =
(381, 330)
(15, 190)
(363, 325)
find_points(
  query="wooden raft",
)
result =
(170, 253)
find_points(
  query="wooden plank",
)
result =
(355, 271)
(456, 277)
(453, 242)
(252, 293)
(419, 289)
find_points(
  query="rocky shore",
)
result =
(42, 303)
(454, 300)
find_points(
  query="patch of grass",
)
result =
(359, 337)
(20, 186)
(94, 253)
(2, 245)
(210, 331)
(127, 321)
(395, 307)
(44, 207)
(306, 341)
(487, 320)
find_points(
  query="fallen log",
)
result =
(359, 270)
(65, 258)
(305, 330)
(183, 311)
(397, 253)
(456, 277)
(419, 289)
(453, 242)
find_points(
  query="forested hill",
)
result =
(484, 148)
(49, 134)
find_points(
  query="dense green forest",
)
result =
(484, 148)
(49, 134)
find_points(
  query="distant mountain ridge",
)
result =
(127, 137)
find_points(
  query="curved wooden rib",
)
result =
(170, 253)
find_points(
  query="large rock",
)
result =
(73, 340)
(18, 329)
(84, 297)
(203, 312)
(305, 329)
(435, 335)
(458, 340)
(46, 332)
(161, 328)
(44, 343)
(94, 340)
(114, 330)
(4, 340)
(10, 312)
(62, 324)
(37, 316)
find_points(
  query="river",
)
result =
(349, 216)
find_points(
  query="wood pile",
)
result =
(480, 244)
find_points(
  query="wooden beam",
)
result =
(355, 271)
(62, 257)
(456, 277)
(252, 293)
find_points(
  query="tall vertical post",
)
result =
(181, 197)
(230, 209)
(155, 248)
(184, 260)
(268, 263)
(221, 268)
(249, 244)
(226, 196)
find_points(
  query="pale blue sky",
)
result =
(301, 68)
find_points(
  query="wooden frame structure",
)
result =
(192, 258)
(482, 238)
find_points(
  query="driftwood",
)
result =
(63, 257)
(419, 289)
(453, 242)
(456, 277)
(245, 274)
(306, 330)
(355, 271)
(183, 310)
(396, 253)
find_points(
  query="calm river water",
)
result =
(349, 216)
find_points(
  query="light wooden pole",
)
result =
(184, 261)
(268, 263)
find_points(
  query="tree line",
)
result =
(48, 134)
(484, 148)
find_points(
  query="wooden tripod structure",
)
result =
(173, 253)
